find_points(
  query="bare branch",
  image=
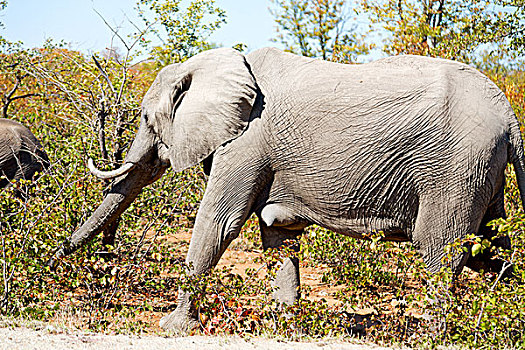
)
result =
(9, 98)
(115, 32)
(15, 87)
(142, 33)
(504, 268)
(104, 74)
(25, 96)
(102, 114)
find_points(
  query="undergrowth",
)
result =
(375, 290)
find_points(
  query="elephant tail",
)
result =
(517, 157)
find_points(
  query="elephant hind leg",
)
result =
(441, 220)
(486, 260)
(287, 281)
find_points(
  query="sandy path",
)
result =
(14, 338)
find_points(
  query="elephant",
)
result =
(21, 154)
(414, 147)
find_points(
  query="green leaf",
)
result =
(476, 249)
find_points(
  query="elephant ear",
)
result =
(198, 105)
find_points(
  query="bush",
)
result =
(377, 290)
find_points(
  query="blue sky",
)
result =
(76, 22)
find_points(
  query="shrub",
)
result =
(378, 290)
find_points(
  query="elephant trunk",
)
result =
(114, 204)
(146, 167)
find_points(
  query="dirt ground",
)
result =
(42, 337)
(242, 255)
(240, 259)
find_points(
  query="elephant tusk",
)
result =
(107, 175)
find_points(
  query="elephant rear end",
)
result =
(487, 132)
(414, 147)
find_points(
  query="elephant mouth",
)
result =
(107, 175)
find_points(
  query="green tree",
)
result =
(13, 64)
(317, 28)
(181, 32)
(515, 23)
(14, 85)
(447, 28)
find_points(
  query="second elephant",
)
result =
(21, 154)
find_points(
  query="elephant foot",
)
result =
(179, 322)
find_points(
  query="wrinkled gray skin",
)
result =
(412, 146)
(21, 155)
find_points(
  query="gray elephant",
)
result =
(21, 155)
(415, 147)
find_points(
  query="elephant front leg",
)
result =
(286, 283)
(211, 235)
(224, 209)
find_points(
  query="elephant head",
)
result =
(190, 110)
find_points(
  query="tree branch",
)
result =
(25, 96)
(104, 74)
(115, 32)
(504, 268)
